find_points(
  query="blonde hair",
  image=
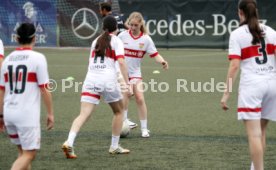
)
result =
(139, 17)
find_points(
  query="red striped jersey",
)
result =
(22, 74)
(1, 49)
(257, 61)
(135, 49)
(103, 67)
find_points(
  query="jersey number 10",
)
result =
(20, 76)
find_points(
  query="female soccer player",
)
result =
(136, 44)
(24, 78)
(101, 80)
(252, 48)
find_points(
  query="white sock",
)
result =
(115, 141)
(144, 124)
(71, 138)
(252, 166)
(125, 114)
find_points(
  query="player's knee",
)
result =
(140, 100)
(30, 155)
(118, 113)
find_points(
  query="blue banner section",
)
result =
(40, 12)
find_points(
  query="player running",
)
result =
(101, 80)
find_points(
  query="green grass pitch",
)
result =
(189, 130)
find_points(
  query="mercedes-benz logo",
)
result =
(85, 23)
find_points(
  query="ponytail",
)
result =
(103, 44)
(249, 8)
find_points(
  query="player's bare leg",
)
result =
(126, 98)
(85, 113)
(24, 159)
(117, 123)
(254, 133)
(142, 107)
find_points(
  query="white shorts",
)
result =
(27, 137)
(92, 92)
(257, 101)
(135, 80)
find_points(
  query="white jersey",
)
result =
(257, 61)
(22, 74)
(103, 68)
(1, 49)
(135, 49)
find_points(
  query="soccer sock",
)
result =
(71, 138)
(125, 114)
(144, 124)
(115, 141)
(252, 166)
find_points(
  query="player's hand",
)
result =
(2, 125)
(50, 121)
(165, 65)
(130, 90)
(224, 100)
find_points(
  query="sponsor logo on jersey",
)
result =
(141, 45)
(134, 53)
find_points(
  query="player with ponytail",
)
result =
(252, 49)
(101, 80)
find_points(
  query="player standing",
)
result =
(252, 48)
(101, 80)
(106, 9)
(136, 43)
(24, 78)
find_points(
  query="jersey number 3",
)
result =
(262, 50)
(20, 76)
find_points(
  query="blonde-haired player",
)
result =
(136, 44)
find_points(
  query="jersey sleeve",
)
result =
(274, 40)
(151, 49)
(2, 78)
(119, 49)
(1, 49)
(234, 47)
(42, 72)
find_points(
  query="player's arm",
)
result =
(233, 70)
(2, 93)
(1, 61)
(160, 59)
(47, 98)
(43, 82)
(123, 68)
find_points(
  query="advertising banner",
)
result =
(79, 22)
(197, 23)
(42, 13)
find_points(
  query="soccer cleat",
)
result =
(145, 133)
(118, 150)
(131, 124)
(68, 151)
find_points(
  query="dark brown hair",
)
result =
(249, 8)
(103, 42)
(25, 33)
(106, 6)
